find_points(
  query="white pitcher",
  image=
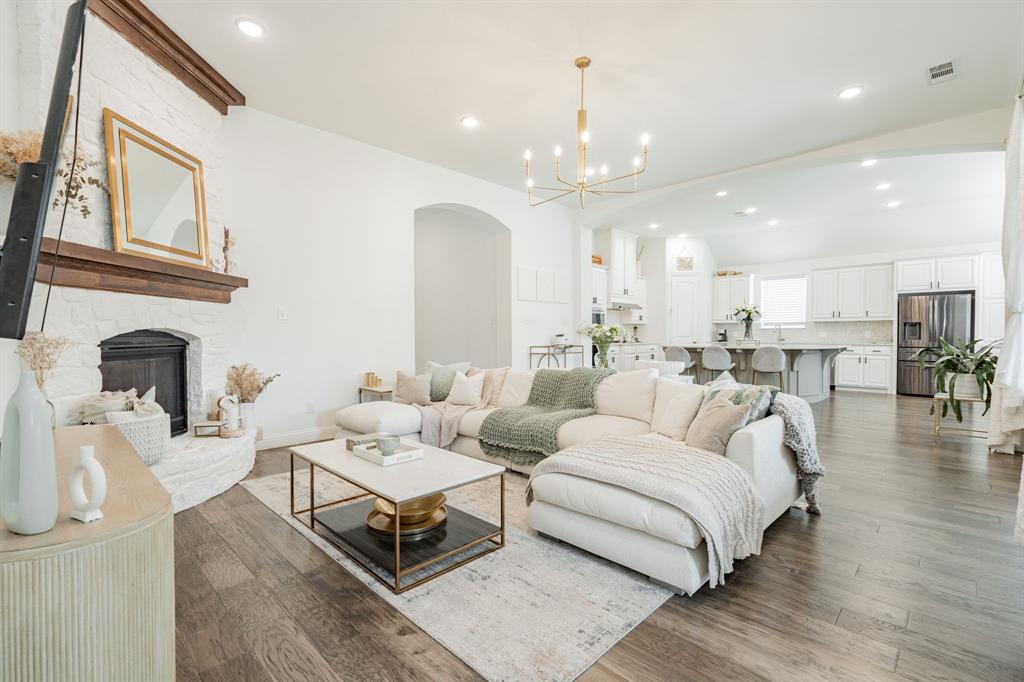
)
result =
(28, 469)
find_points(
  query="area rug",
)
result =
(533, 610)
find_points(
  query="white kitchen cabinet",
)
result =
(931, 274)
(639, 316)
(618, 249)
(852, 294)
(729, 294)
(878, 295)
(877, 370)
(956, 272)
(823, 295)
(864, 367)
(849, 369)
(993, 319)
(992, 282)
(915, 275)
(599, 286)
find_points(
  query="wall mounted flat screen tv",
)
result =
(32, 190)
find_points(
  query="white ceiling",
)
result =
(718, 85)
(834, 210)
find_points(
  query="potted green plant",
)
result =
(747, 314)
(602, 336)
(966, 365)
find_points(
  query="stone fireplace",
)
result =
(149, 359)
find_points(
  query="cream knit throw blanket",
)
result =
(713, 491)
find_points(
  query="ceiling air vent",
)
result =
(940, 73)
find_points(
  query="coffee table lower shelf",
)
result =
(463, 534)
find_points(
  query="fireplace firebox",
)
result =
(146, 358)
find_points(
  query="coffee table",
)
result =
(342, 522)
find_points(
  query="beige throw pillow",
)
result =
(412, 390)
(714, 425)
(516, 389)
(627, 394)
(466, 390)
(674, 410)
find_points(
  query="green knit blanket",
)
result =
(525, 435)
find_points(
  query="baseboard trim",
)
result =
(283, 440)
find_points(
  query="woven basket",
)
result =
(149, 436)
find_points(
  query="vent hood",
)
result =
(625, 306)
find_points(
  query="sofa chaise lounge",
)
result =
(630, 529)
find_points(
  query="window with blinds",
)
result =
(784, 301)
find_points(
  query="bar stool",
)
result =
(769, 360)
(716, 359)
(680, 354)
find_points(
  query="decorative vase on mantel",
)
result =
(28, 468)
(748, 330)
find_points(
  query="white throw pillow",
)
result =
(466, 390)
(122, 417)
(628, 394)
(441, 377)
(516, 390)
(675, 406)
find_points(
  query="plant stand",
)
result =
(956, 430)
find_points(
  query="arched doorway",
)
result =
(463, 286)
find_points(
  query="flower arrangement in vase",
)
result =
(602, 336)
(28, 469)
(747, 314)
(247, 383)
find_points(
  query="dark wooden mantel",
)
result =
(89, 267)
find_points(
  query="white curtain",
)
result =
(1007, 413)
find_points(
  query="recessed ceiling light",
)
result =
(893, 204)
(249, 27)
(653, 226)
(682, 236)
(850, 92)
(721, 193)
(750, 210)
(469, 122)
(773, 222)
(868, 163)
(883, 186)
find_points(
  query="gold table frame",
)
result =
(496, 538)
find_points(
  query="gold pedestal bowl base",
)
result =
(418, 518)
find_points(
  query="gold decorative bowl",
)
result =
(413, 512)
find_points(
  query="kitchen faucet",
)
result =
(778, 332)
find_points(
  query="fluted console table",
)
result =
(92, 601)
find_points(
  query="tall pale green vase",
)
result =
(28, 469)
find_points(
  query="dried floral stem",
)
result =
(247, 382)
(41, 354)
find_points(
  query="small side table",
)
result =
(380, 392)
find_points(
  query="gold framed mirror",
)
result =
(157, 196)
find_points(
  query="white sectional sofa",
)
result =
(646, 535)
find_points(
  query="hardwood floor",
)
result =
(911, 573)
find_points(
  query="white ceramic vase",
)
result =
(28, 469)
(247, 413)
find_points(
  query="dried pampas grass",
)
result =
(247, 382)
(18, 148)
(41, 354)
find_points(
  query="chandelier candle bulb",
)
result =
(558, 151)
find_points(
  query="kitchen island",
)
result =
(808, 365)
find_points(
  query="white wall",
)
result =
(325, 230)
(460, 262)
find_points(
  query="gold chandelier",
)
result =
(584, 184)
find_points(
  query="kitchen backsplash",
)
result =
(822, 332)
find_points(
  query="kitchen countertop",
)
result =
(732, 345)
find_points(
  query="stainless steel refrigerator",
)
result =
(923, 320)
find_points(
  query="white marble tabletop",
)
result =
(437, 471)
